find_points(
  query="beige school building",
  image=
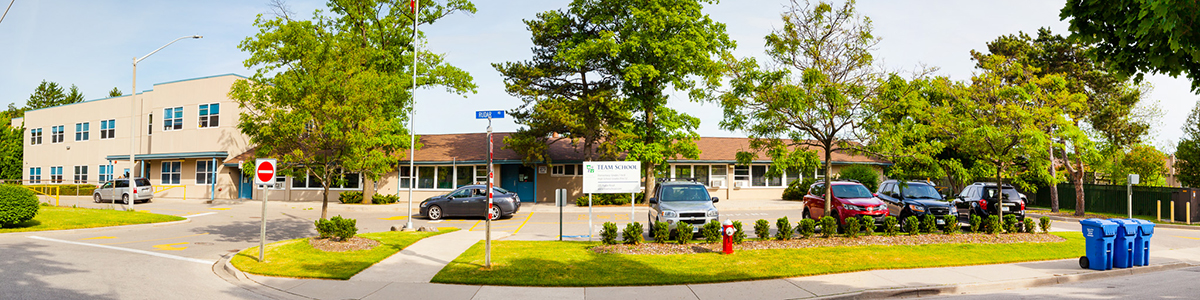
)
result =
(188, 146)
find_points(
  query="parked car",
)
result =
(471, 201)
(119, 189)
(916, 198)
(980, 199)
(850, 199)
(684, 200)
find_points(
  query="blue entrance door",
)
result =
(245, 186)
(519, 179)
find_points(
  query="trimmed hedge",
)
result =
(607, 199)
(17, 205)
(338, 227)
(384, 199)
(350, 197)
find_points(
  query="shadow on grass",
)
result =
(26, 224)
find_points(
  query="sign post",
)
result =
(264, 174)
(489, 115)
(610, 177)
(1132, 180)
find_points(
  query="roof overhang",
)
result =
(178, 155)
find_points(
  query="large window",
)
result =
(205, 170)
(405, 177)
(464, 175)
(756, 176)
(704, 174)
(170, 172)
(56, 134)
(35, 136)
(349, 181)
(82, 131)
(210, 115)
(81, 174)
(741, 173)
(108, 129)
(444, 177)
(56, 175)
(35, 175)
(172, 118)
(106, 173)
(566, 170)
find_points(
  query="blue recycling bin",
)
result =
(1141, 244)
(1099, 235)
(1123, 244)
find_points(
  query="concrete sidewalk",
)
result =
(406, 278)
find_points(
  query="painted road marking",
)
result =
(523, 223)
(200, 215)
(170, 238)
(100, 238)
(199, 261)
(473, 226)
(221, 208)
(395, 218)
(622, 217)
(1186, 237)
(438, 221)
(171, 246)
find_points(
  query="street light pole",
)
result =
(412, 133)
(134, 115)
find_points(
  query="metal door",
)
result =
(519, 179)
(245, 186)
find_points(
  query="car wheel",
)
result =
(494, 213)
(805, 214)
(838, 218)
(125, 199)
(904, 224)
(435, 212)
(96, 198)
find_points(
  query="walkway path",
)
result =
(422, 260)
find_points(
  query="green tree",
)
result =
(1140, 36)
(653, 45)
(114, 92)
(1144, 160)
(12, 147)
(862, 173)
(47, 94)
(818, 94)
(329, 95)
(1187, 153)
(74, 96)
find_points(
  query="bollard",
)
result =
(1188, 213)
(1172, 217)
(1158, 210)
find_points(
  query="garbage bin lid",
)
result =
(1131, 226)
(1145, 227)
(1108, 227)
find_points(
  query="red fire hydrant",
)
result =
(727, 231)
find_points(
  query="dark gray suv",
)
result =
(916, 198)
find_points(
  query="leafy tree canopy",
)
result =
(1140, 36)
(114, 92)
(1187, 154)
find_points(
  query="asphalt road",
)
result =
(1172, 284)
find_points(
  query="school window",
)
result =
(481, 175)
(56, 134)
(444, 177)
(82, 130)
(210, 115)
(280, 179)
(35, 136)
(35, 175)
(81, 174)
(718, 172)
(204, 172)
(741, 173)
(106, 173)
(150, 124)
(108, 129)
(700, 172)
(567, 170)
(169, 173)
(346, 181)
(405, 177)
(56, 175)
(172, 118)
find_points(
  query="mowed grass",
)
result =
(1118, 216)
(58, 218)
(553, 263)
(296, 258)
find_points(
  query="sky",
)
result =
(91, 44)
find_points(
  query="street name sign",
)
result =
(494, 114)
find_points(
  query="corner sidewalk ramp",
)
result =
(422, 260)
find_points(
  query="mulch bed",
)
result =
(817, 241)
(332, 245)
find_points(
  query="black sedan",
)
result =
(471, 201)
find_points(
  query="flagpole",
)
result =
(412, 134)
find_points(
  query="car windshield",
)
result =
(920, 191)
(684, 193)
(851, 191)
(1010, 193)
(499, 190)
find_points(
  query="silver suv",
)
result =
(119, 189)
(682, 201)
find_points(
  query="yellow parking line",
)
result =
(1186, 237)
(473, 226)
(220, 208)
(170, 238)
(395, 218)
(523, 223)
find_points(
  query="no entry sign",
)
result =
(264, 171)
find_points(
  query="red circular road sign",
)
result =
(265, 171)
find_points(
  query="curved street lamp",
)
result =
(133, 116)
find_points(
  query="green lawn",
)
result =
(58, 218)
(296, 258)
(553, 263)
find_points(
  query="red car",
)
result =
(850, 199)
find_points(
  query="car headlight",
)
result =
(711, 214)
(953, 209)
(424, 203)
(916, 208)
(853, 207)
(670, 214)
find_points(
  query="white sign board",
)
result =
(612, 177)
(264, 171)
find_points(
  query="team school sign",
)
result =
(612, 177)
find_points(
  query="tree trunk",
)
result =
(1000, 192)
(325, 202)
(1078, 178)
(828, 187)
(1053, 182)
(649, 140)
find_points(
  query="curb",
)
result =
(1002, 285)
(185, 220)
(225, 270)
(1156, 225)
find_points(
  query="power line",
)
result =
(10, 3)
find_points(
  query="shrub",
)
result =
(70, 189)
(1010, 223)
(929, 224)
(889, 226)
(738, 234)
(951, 224)
(633, 233)
(683, 232)
(661, 232)
(608, 233)
(607, 199)
(797, 189)
(1029, 227)
(762, 229)
(862, 173)
(384, 199)
(994, 226)
(912, 225)
(829, 226)
(852, 227)
(711, 231)
(806, 227)
(976, 224)
(17, 204)
(341, 228)
(1044, 223)
(868, 224)
(785, 229)
(350, 197)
